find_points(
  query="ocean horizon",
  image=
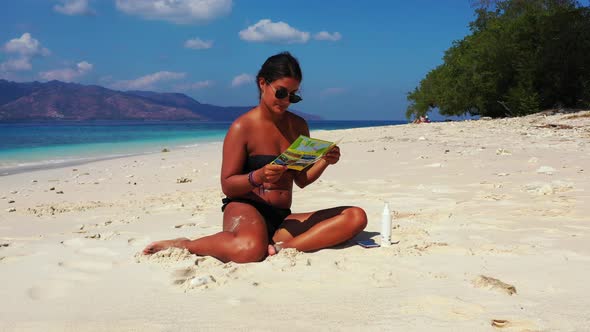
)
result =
(40, 145)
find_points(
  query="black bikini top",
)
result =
(257, 161)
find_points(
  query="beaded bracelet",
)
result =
(251, 180)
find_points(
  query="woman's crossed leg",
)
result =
(244, 237)
(320, 229)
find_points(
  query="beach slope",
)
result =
(492, 219)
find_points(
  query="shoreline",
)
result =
(41, 166)
(21, 160)
(490, 215)
(122, 150)
(6, 171)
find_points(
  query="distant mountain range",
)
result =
(60, 101)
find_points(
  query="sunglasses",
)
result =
(282, 93)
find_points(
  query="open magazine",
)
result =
(304, 151)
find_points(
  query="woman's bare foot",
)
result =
(154, 247)
(274, 249)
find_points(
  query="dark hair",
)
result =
(279, 66)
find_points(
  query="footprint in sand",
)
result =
(90, 263)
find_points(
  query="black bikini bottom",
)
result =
(273, 216)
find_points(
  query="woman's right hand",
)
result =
(270, 173)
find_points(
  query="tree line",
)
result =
(522, 56)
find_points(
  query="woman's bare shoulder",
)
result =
(298, 122)
(243, 122)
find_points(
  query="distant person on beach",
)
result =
(422, 119)
(257, 220)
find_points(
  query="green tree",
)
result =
(521, 57)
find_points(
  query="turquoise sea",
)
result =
(28, 146)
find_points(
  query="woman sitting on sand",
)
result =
(257, 220)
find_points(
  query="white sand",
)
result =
(492, 218)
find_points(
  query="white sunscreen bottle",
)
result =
(386, 226)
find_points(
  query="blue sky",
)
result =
(359, 58)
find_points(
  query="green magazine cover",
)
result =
(303, 152)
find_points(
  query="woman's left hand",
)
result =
(332, 156)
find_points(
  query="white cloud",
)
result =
(333, 91)
(22, 50)
(148, 81)
(176, 11)
(84, 66)
(242, 79)
(325, 35)
(198, 44)
(16, 64)
(26, 45)
(67, 74)
(195, 86)
(275, 32)
(74, 7)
